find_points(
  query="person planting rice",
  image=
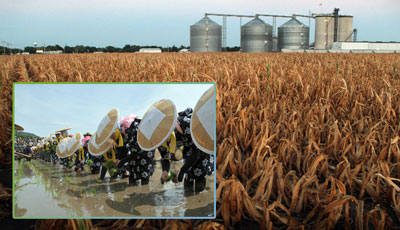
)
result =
(167, 152)
(195, 130)
(53, 146)
(140, 163)
(46, 150)
(28, 151)
(156, 131)
(75, 153)
(197, 164)
(62, 151)
(90, 160)
(121, 156)
(105, 143)
(62, 134)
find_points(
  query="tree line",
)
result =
(92, 49)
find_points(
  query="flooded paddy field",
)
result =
(43, 189)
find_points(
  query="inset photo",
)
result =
(114, 150)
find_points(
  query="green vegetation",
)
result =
(26, 135)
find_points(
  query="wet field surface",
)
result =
(43, 189)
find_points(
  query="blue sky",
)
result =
(166, 23)
(44, 108)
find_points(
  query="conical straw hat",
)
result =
(202, 124)
(106, 127)
(73, 144)
(156, 125)
(63, 129)
(96, 150)
(62, 147)
(18, 127)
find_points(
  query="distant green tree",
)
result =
(174, 49)
(30, 49)
(54, 48)
(111, 49)
(58, 47)
(68, 49)
(130, 49)
(80, 49)
(91, 49)
(14, 51)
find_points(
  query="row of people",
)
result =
(119, 150)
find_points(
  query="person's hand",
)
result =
(175, 179)
(164, 175)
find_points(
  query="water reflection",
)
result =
(43, 189)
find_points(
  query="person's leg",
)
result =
(103, 172)
(146, 166)
(200, 184)
(189, 162)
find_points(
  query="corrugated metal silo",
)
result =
(256, 36)
(345, 28)
(205, 36)
(293, 35)
(324, 28)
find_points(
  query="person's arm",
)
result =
(172, 143)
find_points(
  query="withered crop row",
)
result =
(305, 141)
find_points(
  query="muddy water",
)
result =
(46, 190)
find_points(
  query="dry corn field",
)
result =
(304, 141)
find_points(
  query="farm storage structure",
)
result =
(256, 36)
(325, 29)
(293, 35)
(205, 36)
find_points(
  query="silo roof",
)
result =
(256, 22)
(293, 23)
(204, 21)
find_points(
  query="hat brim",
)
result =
(63, 129)
(73, 144)
(156, 125)
(106, 127)
(98, 150)
(62, 148)
(18, 127)
(202, 124)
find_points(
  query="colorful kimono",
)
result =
(80, 159)
(167, 149)
(140, 163)
(53, 154)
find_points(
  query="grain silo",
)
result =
(205, 36)
(256, 36)
(324, 29)
(345, 28)
(293, 35)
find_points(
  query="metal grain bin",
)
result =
(256, 36)
(205, 36)
(324, 27)
(345, 28)
(293, 35)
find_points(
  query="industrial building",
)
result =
(333, 33)
(149, 50)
